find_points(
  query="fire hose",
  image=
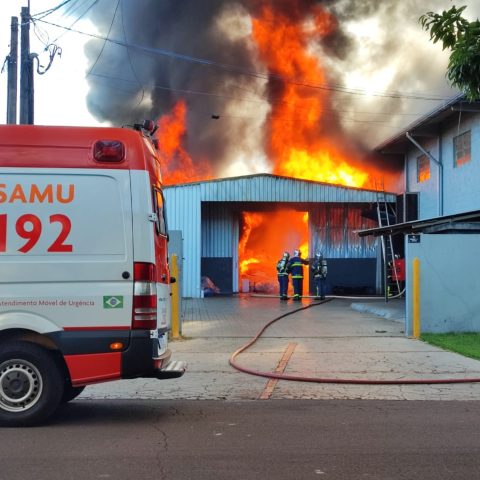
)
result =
(348, 381)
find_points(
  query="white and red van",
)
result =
(84, 278)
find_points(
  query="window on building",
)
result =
(423, 168)
(462, 148)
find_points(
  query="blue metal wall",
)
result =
(183, 209)
(332, 232)
(217, 230)
(271, 188)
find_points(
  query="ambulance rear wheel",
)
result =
(31, 384)
(70, 393)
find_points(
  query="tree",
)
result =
(463, 39)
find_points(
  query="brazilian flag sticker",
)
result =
(115, 301)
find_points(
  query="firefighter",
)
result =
(295, 268)
(282, 275)
(319, 271)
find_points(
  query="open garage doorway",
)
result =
(264, 236)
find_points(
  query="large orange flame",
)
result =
(299, 119)
(304, 137)
(177, 165)
(265, 236)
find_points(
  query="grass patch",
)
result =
(467, 344)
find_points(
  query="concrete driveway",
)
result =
(332, 340)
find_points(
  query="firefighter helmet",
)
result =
(296, 253)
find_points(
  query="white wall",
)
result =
(429, 189)
(449, 282)
(460, 184)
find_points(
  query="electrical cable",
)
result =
(78, 19)
(345, 381)
(326, 111)
(48, 12)
(106, 40)
(129, 57)
(73, 7)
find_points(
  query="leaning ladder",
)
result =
(384, 210)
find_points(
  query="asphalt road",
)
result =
(272, 439)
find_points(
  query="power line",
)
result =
(72, 8)
(262, 101)
(106, 39)
(256, 74)
(129, 57)
(78, 18)
(253, 100)
(49, 11)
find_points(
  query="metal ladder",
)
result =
(384, 212)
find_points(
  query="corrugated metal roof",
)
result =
(419, 226)
(435, 116)
(274, 188)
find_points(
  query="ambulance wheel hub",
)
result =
(20, 385)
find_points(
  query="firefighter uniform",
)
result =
(319, 271)
(282, 275)
(295, 268)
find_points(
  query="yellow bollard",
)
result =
(416, 297)
(175, 330)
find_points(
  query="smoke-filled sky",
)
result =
(207, 53)
(377, 47)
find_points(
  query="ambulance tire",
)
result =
(31, 384)
(70, 393)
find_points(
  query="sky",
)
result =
(60, 93)
(386, 51)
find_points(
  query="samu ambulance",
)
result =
(84, 278)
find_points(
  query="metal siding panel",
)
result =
(184, 202)
(217, 227)
(272, 189)
(333, 227)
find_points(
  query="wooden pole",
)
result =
(26, 70)
(12, 73)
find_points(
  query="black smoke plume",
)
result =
(228, 103)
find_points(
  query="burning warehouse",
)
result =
(263, 132)
(235, 229)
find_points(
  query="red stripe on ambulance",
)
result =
(95, 367)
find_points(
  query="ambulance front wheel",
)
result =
(31, 384)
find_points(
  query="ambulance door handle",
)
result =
(126, 275)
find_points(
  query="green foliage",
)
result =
(463, 39)
(467, 344)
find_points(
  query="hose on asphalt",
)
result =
(348, 381)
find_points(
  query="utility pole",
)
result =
(12, 73)
(26, 70)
